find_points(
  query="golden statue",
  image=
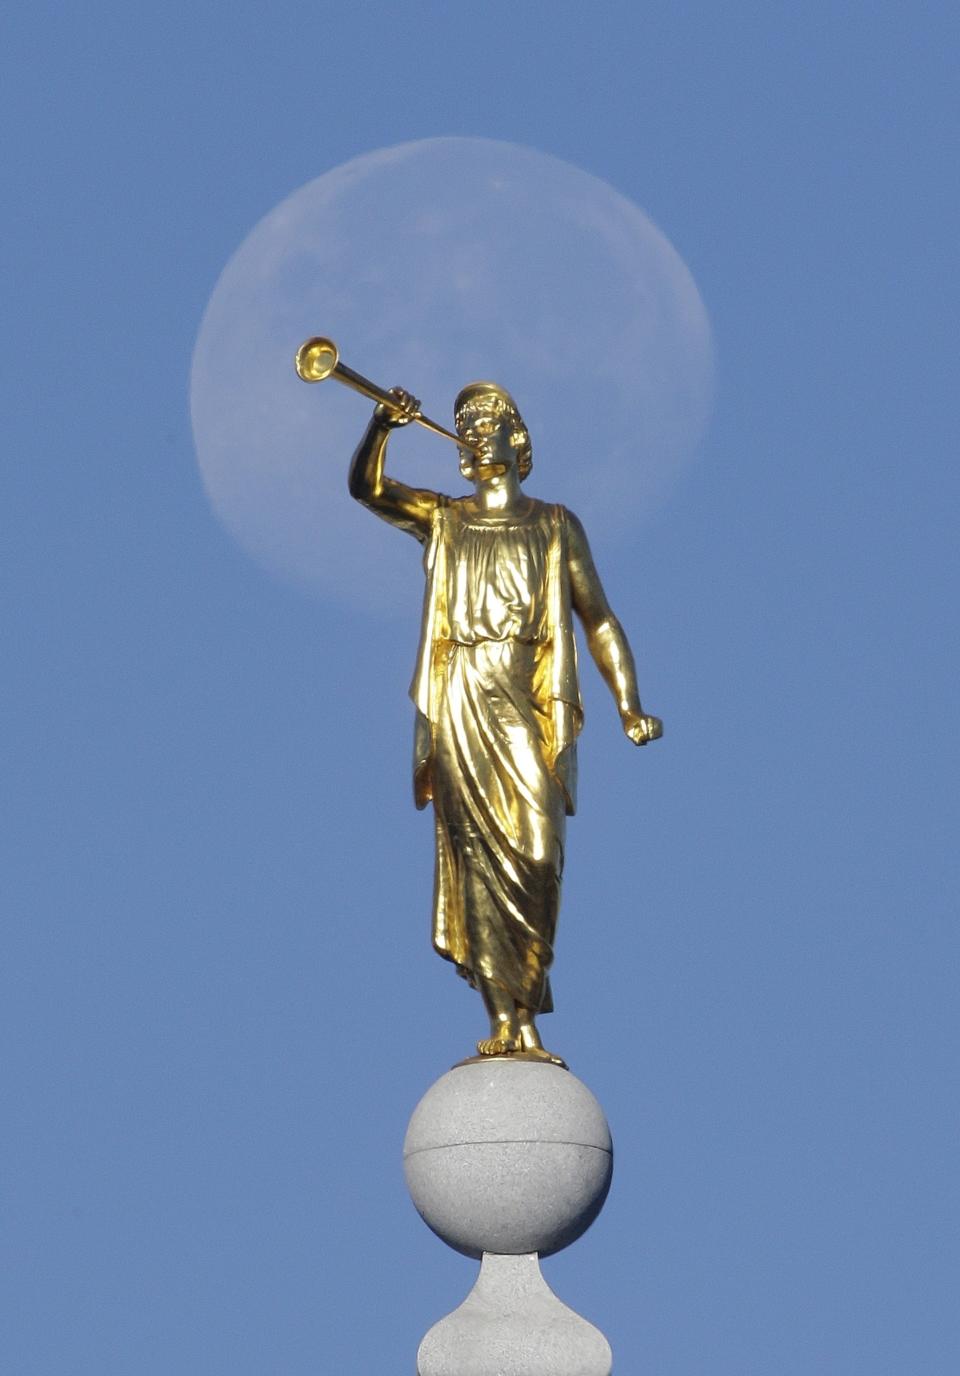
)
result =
(496, 692)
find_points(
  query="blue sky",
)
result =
(219, 1002)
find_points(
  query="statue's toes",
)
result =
(495, 1046)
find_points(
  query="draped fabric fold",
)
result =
(498, 712)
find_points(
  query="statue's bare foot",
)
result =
(540, 1053)
(497, 1046)
(530, 1044)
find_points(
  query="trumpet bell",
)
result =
(317, 358)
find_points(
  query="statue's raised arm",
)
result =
(409, 508)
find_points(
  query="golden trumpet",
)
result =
(318, 358)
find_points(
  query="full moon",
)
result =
(432, 264)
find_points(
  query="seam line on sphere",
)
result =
(512, 1142)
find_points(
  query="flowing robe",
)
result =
(498, 714)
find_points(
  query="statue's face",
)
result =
(491, 424)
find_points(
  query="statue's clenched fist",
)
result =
(406, 409)
(641, 728)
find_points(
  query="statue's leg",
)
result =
(502, 1012)
(529, 1036)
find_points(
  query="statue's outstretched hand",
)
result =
(641, 728)
(406, 410)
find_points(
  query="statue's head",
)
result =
(483, 410)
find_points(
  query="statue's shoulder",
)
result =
(443, 507)
(570, 520)
(561, 516)
(552, 512)
(553, 517)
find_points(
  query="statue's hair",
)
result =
(472, 392)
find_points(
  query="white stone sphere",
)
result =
(508, 1156)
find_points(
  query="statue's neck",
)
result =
(500, 495)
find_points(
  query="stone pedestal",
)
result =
(510, 1160)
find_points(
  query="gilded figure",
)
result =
(497, 700)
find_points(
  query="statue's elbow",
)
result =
(359, 486)
(603, 631)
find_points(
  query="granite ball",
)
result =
(508, 1156)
